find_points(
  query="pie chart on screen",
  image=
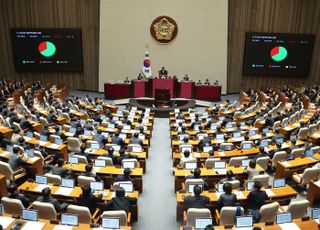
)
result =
(278, 53)
(47, 49)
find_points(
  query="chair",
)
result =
(108, 160)
(53, 179)
(84, 180)
(315, 149)
(12, 206)
(89, 143)
(84, 214)
(312, 129)
(268, 212)
(52, 138)
(246, 142)
(227, 215)
(46, 210)
(11, 175)
(297, 152)
(16, 126)
(46, 160)
(302, 134)
(285, 122)
(235, 183)
(130, 160)
(66, 128)
(124, 219)
(305, 177)
(188, 182)
(73, 144)
(236, 161)
(60, 114)
(194, 213)
(264, 179)
(43, 121)
(185, 146)
(209, 163)
(223, 146)
(278, 156)
(263, 162)
(81, 159)
(66, 116)
(298, 208)
(188, 160)
(276, 125)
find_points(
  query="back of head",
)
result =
(88, 167)
(86, 190)
(252, 164)
(46, 192)
(229, 174)
(136, 135)
(12, 188)
(197, 190)
(110, 150)
(257, 185)
(227, 188)
(120, 192)
(209, 227)
(126, 172)
(185, 139)
(197, 173)
(16, 150)
(186, 153)
(60, 162)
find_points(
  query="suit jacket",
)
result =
(227, 200)
(57, 206)
(25, 124)
(134, 140)
(99, 138)
(16, 162)
(89, 201)
(120, 203)
(25, 201)
(59, 171)
(122, 178)
(256, 199)
(51, 118)
(117, 140)
(196, 202)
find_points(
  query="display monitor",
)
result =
(67, 183)
(69, 219)
(244, 221)
(47, 50)
(111, 223)
(202, 223)
(279, 183)
(283, 217)
(278, 54)
(30, 214)
(41, 179)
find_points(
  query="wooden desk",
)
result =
(209, 175)
(282, 195)
(35, 163)
(313, 191)
(286, 169)
(6, 132)
(3, 186)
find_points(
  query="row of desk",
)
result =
(147, 88)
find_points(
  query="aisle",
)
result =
(157, 204)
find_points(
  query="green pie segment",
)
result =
(47, 49)
(278, 53)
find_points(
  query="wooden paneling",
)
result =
(82, 14)
(277, 16)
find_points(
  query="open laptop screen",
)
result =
(315, 213)
(244, 221)
(111, 223)
(202, 223)
(190, 165)
(30, 214)
(128, 187)
(69, 219)
(41, 179)
(283, 217)
(219, 165)
(96, 186)
(67, 183)
(278, 183)
(191, 187)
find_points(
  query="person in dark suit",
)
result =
(125, 176)
(87, 199)
(197, 175)
(14, 194)
(59, 133)
(255, 200)
(277, 135)
(117, 140)
(136, 140)
(110, 155)
(120, 202)
(204, 142)
(228, 198)
(125, 120)
(45, 131)
(123, 156)
(51, 117)
(25, 124)
(4, 141)
(46, 197)
(229, 177)
(83, 152)
(16, 160)
(140, 77)
(58, 170)
(99, 138)
(163, 72)
(89, 173)
(196, 201)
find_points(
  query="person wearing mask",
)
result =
(196, 201)
(255, 200)
(87, 199)
(120, 201)
(46, 198)
(14, 194)
(125, 176)
(227, 198)
(251, 170)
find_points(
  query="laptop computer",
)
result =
(30, 134)
(229, 126)
(128, 164)
(190, 165)
(96, 186)
(43, 138)
(279, 183)
(236, 135)
(220, 187)
(41, 179)
(250, 185)
(245, 162)
(244, 221)
(73, 160)
(265, 130)
(137, 149)
(58, 141)
(207, 149)
(30, 153)
(99, 163)
(67, 183)
(264, 143)
(95, 146)
(220, 167)
(111, 223)
(72, 130)
(69, 219)
(30, 214)
(202, 223)
(220, 136)
(247, 146)
(252, 133)
(9, 148)
(283, 217)
(128, 187)
(87, 133)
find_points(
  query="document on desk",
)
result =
(291, 226)
(221, 171)
(26, 138)
(286, 163)
(5, 221)
(197, 155)
(40, 187)
(269, 192)
(317, 135)
(33, 225)
(53, 146)
(62, 227)
(5, 153)
(64, 191)
(222, 154)
(42, 143)
(239, 195)
(34, 159)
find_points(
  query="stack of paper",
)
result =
(5, 221)
(53, 146)
(239, 195)
(40, 187)
(291, 226)
(62, 227)
(269, 192)
(33, 225)
(64, 191)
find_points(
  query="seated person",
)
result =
(116, 139)
(196, 201)
(16, 160)
(120, 201)
(197, 175)
(204, 142)
(123, 156)
(127, 80)
(228, 198)
(17, 134)
(163, 72)
(199, 82)
(262, 153)
(110, 155)
(125, 176)
(14, 194)
(255, 200)
(183, 130)
(51, 117)
(186, 157)
(207, 82)
(185, 141)
(186, 77)
(229, 177)
(277, 135)
(89, 173)
(24, 123)
(87, 199)
(99, 137)
(46, 197)
(58, 170)
(251, 170)
(43, 152)
(4, 141)
(83, 152)
(135, 139)
(140, 77)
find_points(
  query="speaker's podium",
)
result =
(162, 94)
